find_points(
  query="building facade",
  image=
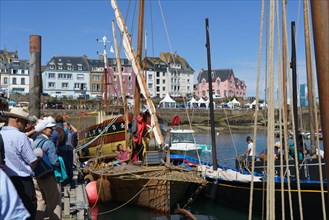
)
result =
(14, 77)
(170, 74)
(224, 84)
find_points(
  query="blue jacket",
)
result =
(48, 147)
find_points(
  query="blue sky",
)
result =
(70, 28)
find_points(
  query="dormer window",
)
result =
(79, 66)
(52, 67)
(69, 66)
(60, 66)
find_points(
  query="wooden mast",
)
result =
(284, 72)
(137, 94)
(320, 18)
(211, 101)
(309, 74)
(122, 85)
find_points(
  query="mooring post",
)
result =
(35, 75)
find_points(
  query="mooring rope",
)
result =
(119, 207)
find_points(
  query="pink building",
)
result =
(224, 84)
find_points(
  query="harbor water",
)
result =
(228, 147)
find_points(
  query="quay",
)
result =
(75, 204)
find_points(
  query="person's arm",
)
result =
(73, 128)
(30, 133)
(33, 164)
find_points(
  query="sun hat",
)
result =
(17, 113)
(50, 119)
(43, 124)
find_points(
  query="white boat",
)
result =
(182, 142)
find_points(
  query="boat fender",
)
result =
(91, 191)
(104, 189)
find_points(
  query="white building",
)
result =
(67, 77)
(14, 76)
(169, 73)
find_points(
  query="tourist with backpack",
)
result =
(48, 189)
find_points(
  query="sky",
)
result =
(70, 28)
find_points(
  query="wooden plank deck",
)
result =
(75, 202)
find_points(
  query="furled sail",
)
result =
(131, 56)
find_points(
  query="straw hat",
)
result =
(17, 113)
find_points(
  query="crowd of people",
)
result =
(36, 160)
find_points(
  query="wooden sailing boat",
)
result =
(151, 182)
(286, 196)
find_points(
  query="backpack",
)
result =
(43, 166)
(61, 136)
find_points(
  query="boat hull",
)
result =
(154, 187)
(189, 153)
(107, 142)
(152, 193)
(236, 194)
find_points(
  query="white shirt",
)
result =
(250, 146)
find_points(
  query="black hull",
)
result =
(308, 169)
(236, 194)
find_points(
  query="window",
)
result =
(80, 77)
(51, 76)
(60, 76)
(164, 81)
(130, 78)
(96, 87)
(65, 85)
(51, 67)
(96, 78)
(69, 67)
(77, 85)
(22, 81)
(150, 85)
(13, 81)
(158, 81)
(150, 77)
(5, 80)
(79, 66)
(114, 78)
(130, 86)
(158, 74)
(51, 85)
(164, 88)
(60, 67)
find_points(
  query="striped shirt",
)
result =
(18, 152)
